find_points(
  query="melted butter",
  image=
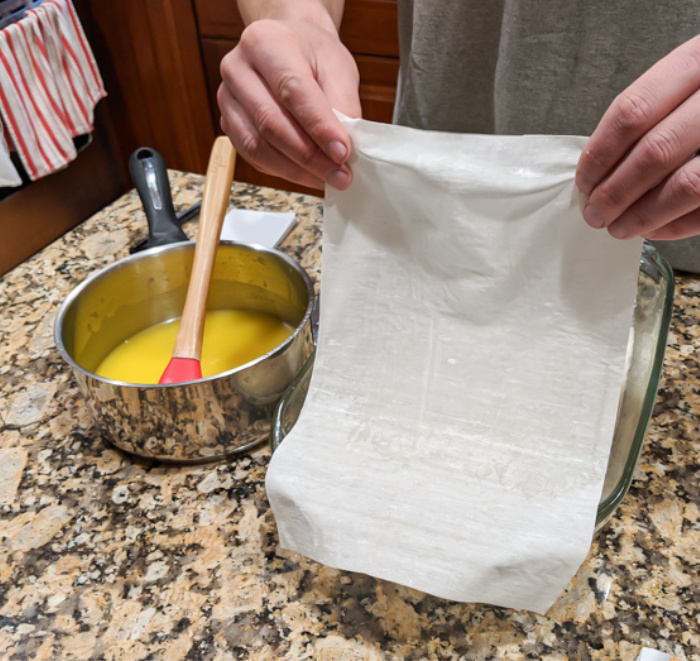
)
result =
(231, 338)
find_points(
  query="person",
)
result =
(625, 73)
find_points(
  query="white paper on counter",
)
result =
(8, 172)
(263, 228)
(648, 654)
(472, 339)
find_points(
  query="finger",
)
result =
(299, 160)
(262, 155)
(660, 151)
(257, 151)
(675, 197)
(640, 107)
(292, 83)
(681, 228)
(270, 124)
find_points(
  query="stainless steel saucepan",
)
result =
(219, 416)
(201, 420)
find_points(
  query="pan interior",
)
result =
(150, 288)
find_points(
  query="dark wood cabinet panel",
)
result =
(149, 54)
(213, 50)
(219, 19)
(370, 27)
(377, 86)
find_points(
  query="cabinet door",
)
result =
(149, 55)
(218, 18)
(377, 86)
(370, 27)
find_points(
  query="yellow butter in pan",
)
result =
(231, 338)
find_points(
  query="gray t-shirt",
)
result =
(528, 66)
(534, 66)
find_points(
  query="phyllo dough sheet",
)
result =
(471, 349)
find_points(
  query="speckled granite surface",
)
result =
(108, 557)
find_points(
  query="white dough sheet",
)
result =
(473, 333)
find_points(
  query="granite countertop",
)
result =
(105, 556)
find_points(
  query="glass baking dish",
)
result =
(647, 344)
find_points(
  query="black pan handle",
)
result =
(150, 177)
(182, 218)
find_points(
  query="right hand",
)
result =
(280, 86)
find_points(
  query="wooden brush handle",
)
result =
(217, 189)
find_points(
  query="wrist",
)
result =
(325, 13)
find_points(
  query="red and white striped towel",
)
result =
(49, 86)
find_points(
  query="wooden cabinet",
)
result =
(149, 54)
(160, 61)
(369, 30)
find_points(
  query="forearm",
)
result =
(315, 10)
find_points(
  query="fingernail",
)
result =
(617, 231)
(593, 216)
(338, 152)
(339, 179)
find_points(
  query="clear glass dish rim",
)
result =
(609, 504)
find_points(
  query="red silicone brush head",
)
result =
(180, 370)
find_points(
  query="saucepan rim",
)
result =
(152, 253)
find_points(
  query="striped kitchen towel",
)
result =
(49, 86)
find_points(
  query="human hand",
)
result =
(640, 167)
(280, 85)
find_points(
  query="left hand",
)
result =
(640, 166)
